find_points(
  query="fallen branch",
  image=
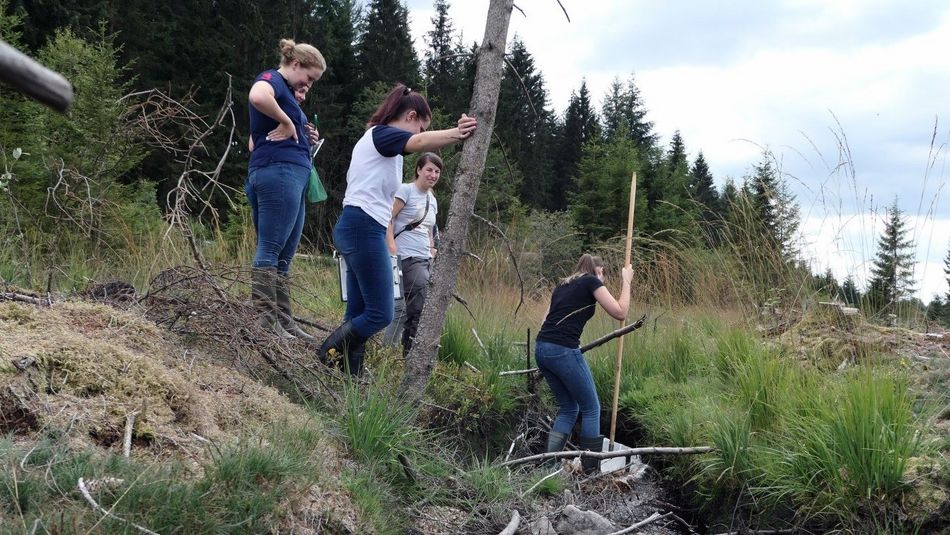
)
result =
(517, 372)
(648, 520)
(600, 341)
(610, 336)
(512, 526)
(23, 298)
(313, 324)
(85, 493)
(655, 450)
(761, 532)
(512, 448)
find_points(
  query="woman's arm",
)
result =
(436, 139)
(263, 99)
(398, 205)
(617, 308)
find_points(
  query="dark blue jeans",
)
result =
(569, 377)
(369, 277)
(276, 193)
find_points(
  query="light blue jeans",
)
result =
(569, 377)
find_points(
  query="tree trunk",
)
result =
(490, 65)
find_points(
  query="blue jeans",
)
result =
(276, 193)
(369, 278)
(569, 377)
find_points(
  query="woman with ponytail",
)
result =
(558, 355)
(397, 127)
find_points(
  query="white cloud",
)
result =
(845, 92)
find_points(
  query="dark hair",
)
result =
(400, 100)
(428, 157)
(585, 266)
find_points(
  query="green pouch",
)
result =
(315, 191)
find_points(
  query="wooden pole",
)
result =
(34, 80)
(623, 322)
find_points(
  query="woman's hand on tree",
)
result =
(466, 126)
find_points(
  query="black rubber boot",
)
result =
(284, 312)
(354, 360)
(344, 348)
(264, 297)
(556, 443)
(590, 464)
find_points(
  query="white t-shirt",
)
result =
(376, 171)
(414, 242)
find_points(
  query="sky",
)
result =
(852, 98)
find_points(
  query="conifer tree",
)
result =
(603, 188)
(702, 190)
(669, 206)
(525, 124)
(850, 292)
(442, 68)
(384, 47)
(622, 104)
(892, 272)
(579, 127)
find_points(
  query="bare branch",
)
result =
(655, 517)
(511, 252)
(107, 514)
(654, 450)
(564, 10)
(513, 524)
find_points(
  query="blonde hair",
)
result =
(307, 55)
(587, 265)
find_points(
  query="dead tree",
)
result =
(490, 64)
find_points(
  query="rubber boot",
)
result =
(556, 443)
(284, 312)
(343, 348)
(264, 297)
(590, 464)
(354, 360)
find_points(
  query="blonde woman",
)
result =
(277, 178)
(558, 355)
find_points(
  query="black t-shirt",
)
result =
(572, 305)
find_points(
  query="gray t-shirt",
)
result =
(414, 242)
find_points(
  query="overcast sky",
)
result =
(863, 82)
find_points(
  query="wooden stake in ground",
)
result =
(623, 322)
(490, 64)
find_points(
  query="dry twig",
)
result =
(86, 494)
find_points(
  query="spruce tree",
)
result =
(668, 199)
(892, 272)
(579, 127)
(850, 292)
(525, 124)
(702, 190)
(622, 104)
(442, 68)
(384, 47)
(602, 196)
